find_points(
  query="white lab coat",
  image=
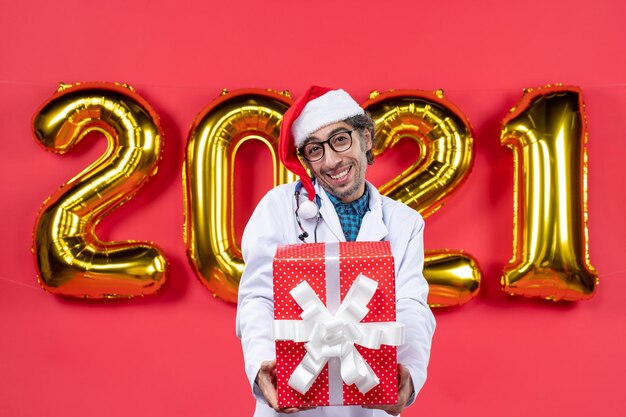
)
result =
(273, 223)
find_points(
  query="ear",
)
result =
(367, 139)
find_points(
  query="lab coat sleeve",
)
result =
(255, 307)
(412, 308)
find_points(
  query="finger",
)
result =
(402, 372)
(289, 410)
(270, 397)
(379, 407)
(269, 391)
(268, 365)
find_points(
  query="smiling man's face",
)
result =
(342, 173)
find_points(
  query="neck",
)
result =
(351, 199)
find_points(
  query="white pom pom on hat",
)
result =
(307, 210)
(318, 107)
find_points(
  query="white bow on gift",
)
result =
(329, 335)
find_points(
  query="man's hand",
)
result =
(266, 380)
(405, 390)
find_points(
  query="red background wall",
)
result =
(175, 353)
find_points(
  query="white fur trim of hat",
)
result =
(332, 107)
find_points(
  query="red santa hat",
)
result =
(318, 107)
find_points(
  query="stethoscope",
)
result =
(308, 210)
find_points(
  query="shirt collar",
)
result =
(360, 205)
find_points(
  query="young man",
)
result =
(334, 137)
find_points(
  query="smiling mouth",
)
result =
(341, 175)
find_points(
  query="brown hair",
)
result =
(364, 121)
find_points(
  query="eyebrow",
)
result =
(330, 135)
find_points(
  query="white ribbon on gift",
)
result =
(329, 335)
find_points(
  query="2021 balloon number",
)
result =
(546, 131)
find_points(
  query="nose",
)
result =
(331, 158)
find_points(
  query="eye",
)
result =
(341, 138)
(313, 149)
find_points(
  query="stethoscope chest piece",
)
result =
(306, 210)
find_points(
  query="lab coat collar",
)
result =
(373, 228)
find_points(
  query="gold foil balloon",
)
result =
(216, 135)
(70, 258)
(445, 141)
(547, 133)
(453, 277)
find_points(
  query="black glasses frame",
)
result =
(327, 142)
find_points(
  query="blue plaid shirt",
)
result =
(351, 214)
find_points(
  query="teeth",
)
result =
(340, 175)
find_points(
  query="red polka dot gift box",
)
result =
(335, 324)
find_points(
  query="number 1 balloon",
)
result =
(547, 132)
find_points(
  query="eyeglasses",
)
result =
(339, 142)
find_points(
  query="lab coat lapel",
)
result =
(373, 227)
(329, 215)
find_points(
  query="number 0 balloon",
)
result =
(216, 135)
